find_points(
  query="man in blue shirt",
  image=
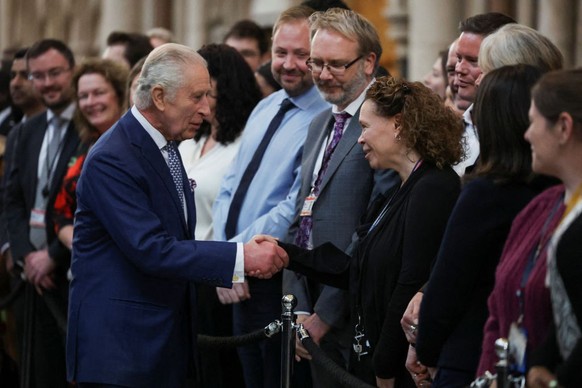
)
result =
(268, 205)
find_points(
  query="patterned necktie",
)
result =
(37, 231)
(175, 165)
(251, 170)
(302, 238)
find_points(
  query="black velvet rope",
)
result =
(342, 376)
(206, 341)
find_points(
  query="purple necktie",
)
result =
(302, 238)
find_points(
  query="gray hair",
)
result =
(515, 44)
(164, 67)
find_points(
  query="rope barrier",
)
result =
(205, 341)
(319, 357)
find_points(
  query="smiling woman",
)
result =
(99, 85)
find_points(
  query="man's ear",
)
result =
(158, 97)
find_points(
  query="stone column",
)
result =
(119, 15)
(578, 43)
(526, 12)
(474, 7)
(556, 20)
(432, 27)
(189, 18)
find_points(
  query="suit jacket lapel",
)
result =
(348, 141)
(152, 155)
(34, 145)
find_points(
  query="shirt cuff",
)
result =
(239, 266)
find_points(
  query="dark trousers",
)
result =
(261, 362)
(452, 378)
(43, 342)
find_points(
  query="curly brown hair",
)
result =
(427, 126)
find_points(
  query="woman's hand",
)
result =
(409, 319)
(540, 377)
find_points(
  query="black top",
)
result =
(568, 254)
(454, 308)
(391, 262)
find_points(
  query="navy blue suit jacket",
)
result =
(131, 309)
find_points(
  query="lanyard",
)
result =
(544, 239)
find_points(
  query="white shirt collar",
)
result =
(158, 138)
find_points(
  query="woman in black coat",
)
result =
(405, 127)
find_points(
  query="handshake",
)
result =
(264, 257)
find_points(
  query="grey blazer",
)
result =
(346, 191)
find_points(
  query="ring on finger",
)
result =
(413, 328)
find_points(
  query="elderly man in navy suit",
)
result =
(131, 318)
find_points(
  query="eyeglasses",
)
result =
(317, 65)
(52, 74)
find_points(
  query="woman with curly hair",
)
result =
(405, 127)
(454, 307)
(233, 96)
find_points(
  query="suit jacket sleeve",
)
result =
(112, 187)
(17, 216)
(11, 144)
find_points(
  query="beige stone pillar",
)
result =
(526, 12)
(119, 15)
(474, 7)
(432, 27)
(556, 20)
(578, 43)
(189, 18)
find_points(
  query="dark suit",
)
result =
(131, 311)
(48, 359)
(345, 193)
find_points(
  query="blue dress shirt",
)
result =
(269, 205)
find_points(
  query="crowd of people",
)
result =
(163, 191)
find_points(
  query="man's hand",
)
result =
(264, 259)
(300, 351)
(38, 268)
(419, 372)
(316, 328)
(409, 320)
(236, 294)
(540, 377)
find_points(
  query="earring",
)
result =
(397, 136)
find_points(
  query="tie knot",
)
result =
(170, 146)
(286, 104)
(57, 121)
(341, 118)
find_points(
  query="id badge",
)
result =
(517, 345)
(37, 218)
(308, 206)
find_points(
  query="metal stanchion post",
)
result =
(288, 303)
(502, 366)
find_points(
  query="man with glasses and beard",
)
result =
(337, 182)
